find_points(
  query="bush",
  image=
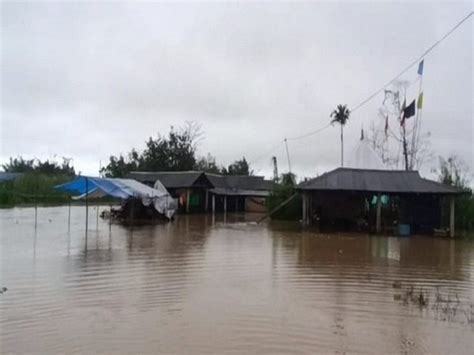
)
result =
(282, 191)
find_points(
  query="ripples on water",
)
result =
(200, 285)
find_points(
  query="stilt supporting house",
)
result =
(305, 219)
(452, 206)
(206, 201)
(225, 204)
(378, 220)
(213, 203)
(188, 199)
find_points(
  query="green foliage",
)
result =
(20, 165)
(282, 190)
(33, 188)
(239, 167)
(208, 164)
(176, 152)
(453, 172)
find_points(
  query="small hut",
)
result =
(391, 201)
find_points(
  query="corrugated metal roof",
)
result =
(170, 179)
(394, 181)
(182, 179)
(239, 192)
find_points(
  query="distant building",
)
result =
(376, 200)
(9, 176)
(198, 191)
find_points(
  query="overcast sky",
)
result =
(87, 80)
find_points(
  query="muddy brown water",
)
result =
(204, 285)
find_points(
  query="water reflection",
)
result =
(211, 284)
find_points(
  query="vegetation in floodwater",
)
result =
(445, 306)
(282, 190)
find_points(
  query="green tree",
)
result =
(21, 165)
(452, 171)
(282, 190)
(175, 152)
(238, 167)
(208, 164)
(341, 115)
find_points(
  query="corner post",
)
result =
(188, 199)
(452, 206)
(213, 203)
(206, 201)
(225, 203)
(304, 209)
(378, 223)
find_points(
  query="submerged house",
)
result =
(239, 192)
(198, 191)
(393, 201)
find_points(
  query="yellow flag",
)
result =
(419, 104)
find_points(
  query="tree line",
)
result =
(176, 151)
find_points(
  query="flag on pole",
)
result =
(420, 67)
(408, 112)
(419, 105)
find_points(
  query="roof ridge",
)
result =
(376, 170)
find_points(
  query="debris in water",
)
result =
(397, 284)
(3, 290)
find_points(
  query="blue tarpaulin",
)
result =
(85, 186)
(120, 188)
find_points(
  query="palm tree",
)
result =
(341, 115)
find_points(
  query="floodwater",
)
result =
(199, 285)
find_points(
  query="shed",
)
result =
(190, 187)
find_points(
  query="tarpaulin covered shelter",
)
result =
(94, 187)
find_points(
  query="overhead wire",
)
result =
(378, 91)
(413, 63)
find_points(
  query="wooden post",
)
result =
(97, 216)
(110, 217)
(87, 207)
(188, 199)
(236, 203)
(36, 205)
(452, 204)
(69, 217)
(304, 210)
(225, 203)
(213, 203)
(378, 222)
(310, 209)
(36, 212)
(206, 201)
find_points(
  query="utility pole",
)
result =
(288, 155)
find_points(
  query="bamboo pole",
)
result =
(278, 207)
(452, 219)
(97, 216)
(69, 217)
(378, 222)
(87, 208)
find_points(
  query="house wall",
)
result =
(348, 210)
